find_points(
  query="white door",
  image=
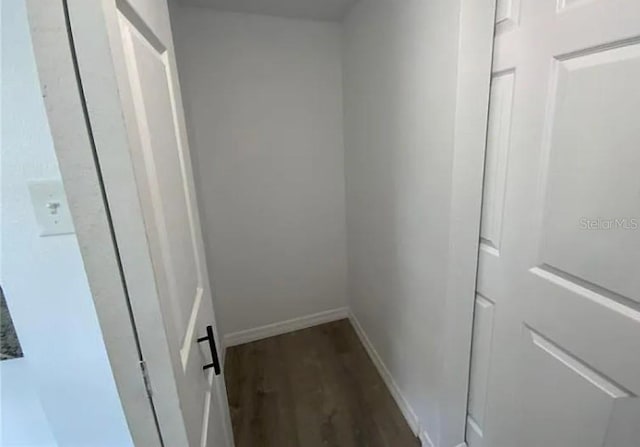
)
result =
(127, 71)
(556, 349)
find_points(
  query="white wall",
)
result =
(22, 419)
(263, 100)
(399, 82)
(43, 277)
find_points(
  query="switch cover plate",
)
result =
(51, 208)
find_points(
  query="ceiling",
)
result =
(333, 10)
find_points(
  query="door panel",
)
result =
(601, 331)
(558, 385)
(480, 361)
(496, 158)
(161, 175)
(173, 306)
(507, 13)
(559, 262)
(489, 279)
(587, 184)
(171, 227)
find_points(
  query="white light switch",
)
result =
(50, 206)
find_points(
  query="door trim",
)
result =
(475, 55)
(81, 176)
(97, 41)
(76, 153)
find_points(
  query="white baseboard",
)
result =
(402, 403)
(425, 440)
(282, 327)
(270, 330)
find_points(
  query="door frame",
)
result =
(475, 57)
(76, 153)
(76, 66)
(75, 145)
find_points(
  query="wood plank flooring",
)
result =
(310, 388)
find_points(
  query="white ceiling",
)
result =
(303, 9)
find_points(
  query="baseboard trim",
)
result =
(282, 327)
(402, 403)
(425, 440)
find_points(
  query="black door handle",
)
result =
(214, 352)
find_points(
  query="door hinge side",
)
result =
(145, 377)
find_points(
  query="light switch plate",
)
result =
(50, 206)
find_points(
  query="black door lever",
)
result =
(214, 352)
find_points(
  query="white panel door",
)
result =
(556, 348)
(172, 306)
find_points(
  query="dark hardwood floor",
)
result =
(311, 388)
